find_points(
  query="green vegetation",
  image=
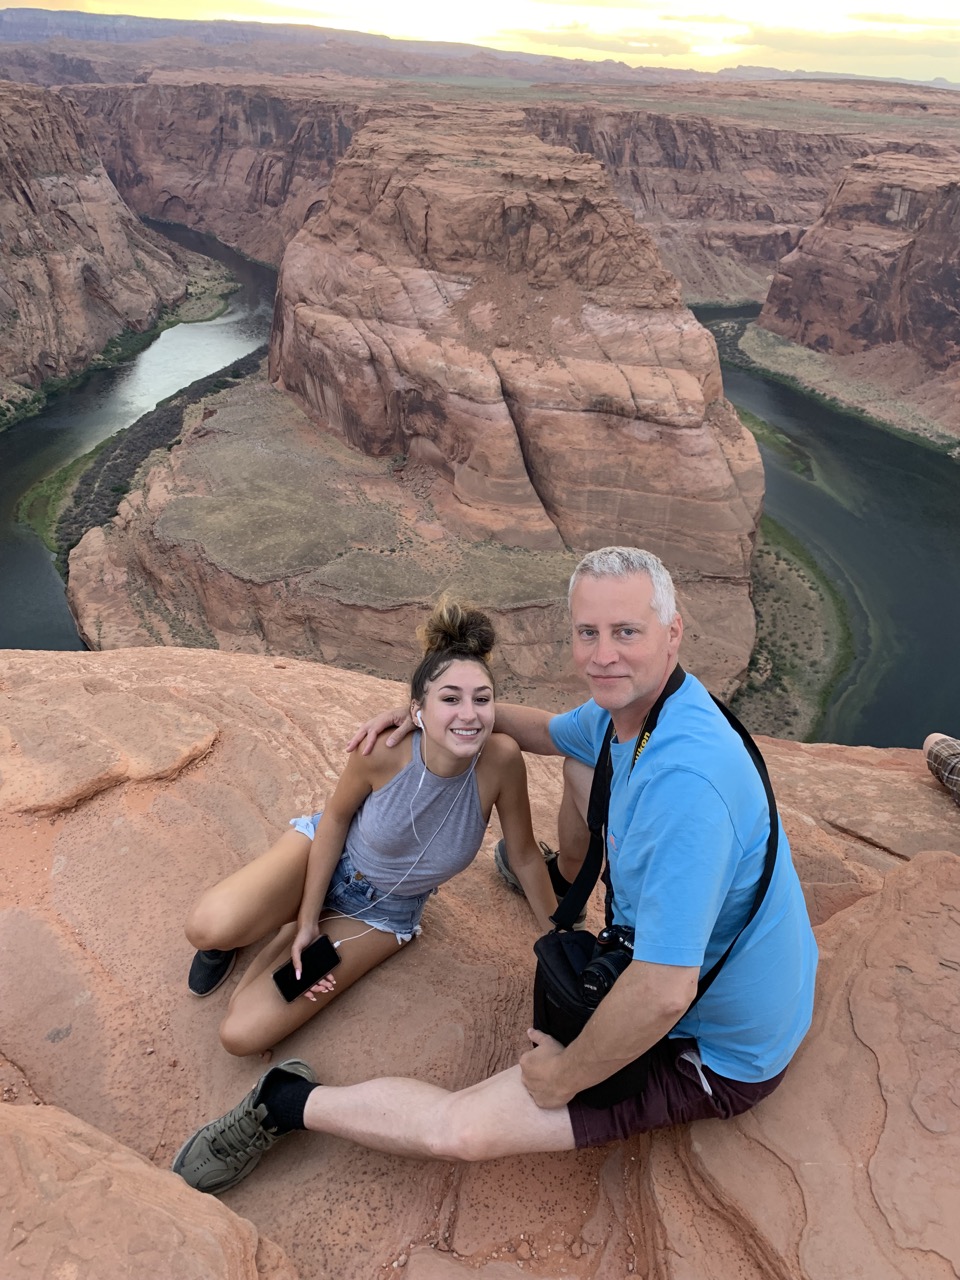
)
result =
(797, 459)
(41, 505)
(728, 331)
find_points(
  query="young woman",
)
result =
(400, 822)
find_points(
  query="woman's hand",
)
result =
(306, 934)
(325, 985)
(370, 730)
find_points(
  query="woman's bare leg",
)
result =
(258, 1017)
(252, 902)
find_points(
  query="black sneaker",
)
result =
(209, 970)
(221, 1154)
(550, 856)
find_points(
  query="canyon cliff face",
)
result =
(874, 288)
(724, 200)
(497, 374)
(129, 782)
(244, 162)
(76, 267)
(881, 264)
(480, 302)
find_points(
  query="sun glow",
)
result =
(865, 37)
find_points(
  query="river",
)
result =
(33, 607)
(879, 513)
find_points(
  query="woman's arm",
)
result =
(353, 787)
(513, 809)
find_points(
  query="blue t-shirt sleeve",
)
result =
(673, 867)
(579, 733)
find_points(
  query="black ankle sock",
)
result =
(285, 1096)
(560, 884)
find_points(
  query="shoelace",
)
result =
(238, 1133)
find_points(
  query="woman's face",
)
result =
(458, 708)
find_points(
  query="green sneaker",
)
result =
(508, 875)
(223, 1152)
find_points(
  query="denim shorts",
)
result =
(351, 894)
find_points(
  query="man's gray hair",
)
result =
(621, 562)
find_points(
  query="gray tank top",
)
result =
(418, 830)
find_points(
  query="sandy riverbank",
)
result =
(803, 641)
(889, 384)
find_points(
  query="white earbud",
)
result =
(418, 717)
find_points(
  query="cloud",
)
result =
(903, 20)
(853, 45)
(625, 44)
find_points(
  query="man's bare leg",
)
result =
(496, 1117)
(572, 830)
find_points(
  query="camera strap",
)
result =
(595, 861)
(575, 899)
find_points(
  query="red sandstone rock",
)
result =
(881, 265)
(847, 1167)
(481, 302)
(75, 1203)
(246, 162)
(261, 556)
(76, 267)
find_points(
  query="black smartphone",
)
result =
(317, 960)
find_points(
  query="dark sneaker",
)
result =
(223, 1152)
(560, 885)
(209, 970)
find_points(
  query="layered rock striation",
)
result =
(245, 162)
(76, 267)
(130, 782)
(880, 265)
(481, 302)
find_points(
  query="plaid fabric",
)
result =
(943, 761)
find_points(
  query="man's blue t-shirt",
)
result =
(687, 835)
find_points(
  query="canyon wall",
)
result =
(244, 162)
(76, 267)
(873, 290)
(880, 265)
(725, 200)
(131, 781)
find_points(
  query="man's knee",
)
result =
(463, 1130)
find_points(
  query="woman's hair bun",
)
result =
(457, 628)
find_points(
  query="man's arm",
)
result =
(528, 726)
(644, 1003)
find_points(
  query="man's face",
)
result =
(621, 648)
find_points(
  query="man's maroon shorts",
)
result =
(677, 1090)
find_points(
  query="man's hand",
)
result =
(538, 1071)
(370, 730)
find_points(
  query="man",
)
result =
(687, 832)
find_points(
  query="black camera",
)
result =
(612, 954)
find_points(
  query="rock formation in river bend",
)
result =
(480, 302)
(129, 781)
(76, 267)
(498, 373)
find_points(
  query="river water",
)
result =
(33, 607)
(879, 513)
(881, 516)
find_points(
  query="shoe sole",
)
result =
(202, 995)
(289, 1064)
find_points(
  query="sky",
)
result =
(864, 37)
